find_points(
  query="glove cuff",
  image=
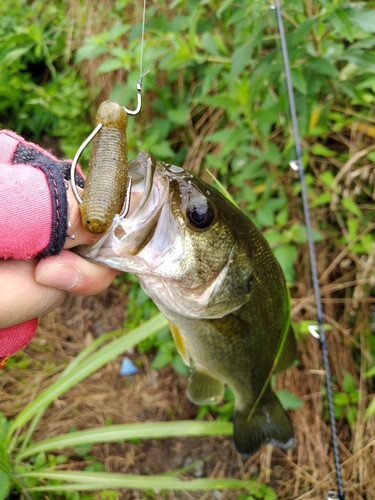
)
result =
(34, 206)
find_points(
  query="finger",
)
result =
(21, 297)
(78, 235)
(76, 230)
(70, 272)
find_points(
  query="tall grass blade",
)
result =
(87, 367)
(147, 430)
(100, 480)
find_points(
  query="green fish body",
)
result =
(214, 276)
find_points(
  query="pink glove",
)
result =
(35, 206)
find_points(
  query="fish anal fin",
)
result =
(289, 352)
(180, 343)
(269, 424)
(203, 388)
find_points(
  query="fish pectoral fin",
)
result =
(203, 388)
(269, 423)
(289, 352)
(180, 343)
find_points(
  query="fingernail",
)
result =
(60, 276)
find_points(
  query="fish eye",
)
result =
(200, 213)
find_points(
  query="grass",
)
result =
(212, 103)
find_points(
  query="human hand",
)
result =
(32, 288)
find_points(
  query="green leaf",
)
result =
(288, 400)
(161, 359)
(222, 6)
(327, 178)
(370, 372)
(180, 366)
(303, 29)
(320, 150)
(351, 414)
(370, 410)
(351, 205)
(220, 135)
(322, 199)
(298, 233)
(209, 44)
(15, 54)
(89, 51)
(4, 485)
(322, 66)
(273, 236)
(286, 254)
(364, 19)
(178, 115)
(110, 65)
(265, 216)
(299, 80)
(341, 399)
(341, 22)
(240, 59)
(117, 30)
(348, 383)
(230, 137)
(304, 325)
(163, 150)
(362, 59)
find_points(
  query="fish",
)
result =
(107, 175)
(213, 275)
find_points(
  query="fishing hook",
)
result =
(139, 96)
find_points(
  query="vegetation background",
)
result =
(214, 101)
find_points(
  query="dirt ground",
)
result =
(305, 472)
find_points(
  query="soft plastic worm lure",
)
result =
(105, 187)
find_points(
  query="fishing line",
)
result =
(298, 165)
(142, 40)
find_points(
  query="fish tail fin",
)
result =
(269, 423)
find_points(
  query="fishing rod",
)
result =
(317, 331)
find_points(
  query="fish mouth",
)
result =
(149, 189)
(128, 235)
(141, 172)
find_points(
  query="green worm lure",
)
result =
(105, 186)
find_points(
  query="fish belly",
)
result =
(224, 359)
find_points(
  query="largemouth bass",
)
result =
(214, 276)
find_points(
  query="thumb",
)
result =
(21, 297)
(70, 272)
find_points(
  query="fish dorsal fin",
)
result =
(180, 343)
(203, 388)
